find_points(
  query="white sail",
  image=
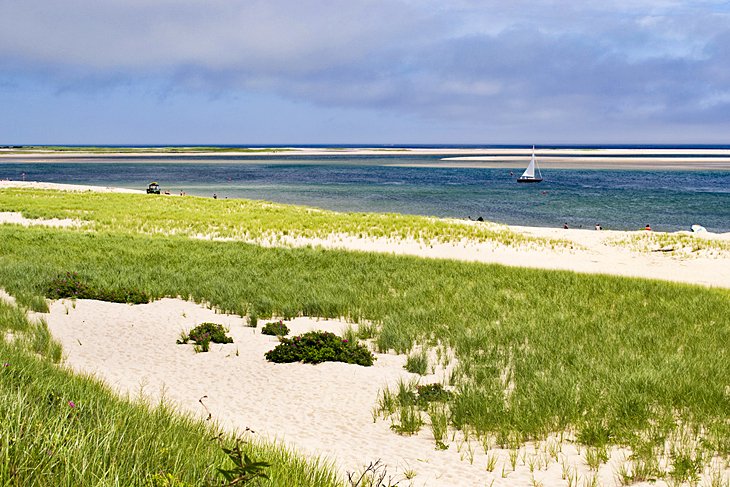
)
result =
(530, 171)
(529, 175)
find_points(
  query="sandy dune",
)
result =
(323, 409)
(327, 409)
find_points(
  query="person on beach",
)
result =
(598, 226)
(647, 228)
(565, 225)
(215, 196)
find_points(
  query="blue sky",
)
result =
(364, 71)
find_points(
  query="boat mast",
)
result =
(539, 174)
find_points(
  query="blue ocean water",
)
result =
(617, 199)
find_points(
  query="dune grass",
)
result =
(679, 244)
(247, 220)
(61, 429)
(614, 359)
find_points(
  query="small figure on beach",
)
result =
(565, 225)
(480, 219)
(647, 228)
(215, 196)
(598, 226)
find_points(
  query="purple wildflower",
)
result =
(72, 404)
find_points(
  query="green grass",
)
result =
(61, 429)
(606, 355)
(613, 360)
(247, 220)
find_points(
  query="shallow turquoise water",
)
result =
(667, 200)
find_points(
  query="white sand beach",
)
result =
(65, 187)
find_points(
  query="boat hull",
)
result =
(529, 180)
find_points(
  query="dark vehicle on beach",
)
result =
(153, 188)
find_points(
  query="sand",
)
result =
(605, 158)
(594, 252)
(65, 187)
(321, 410)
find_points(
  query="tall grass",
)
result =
(615, 360)
(538, 351)
(60, 429)
(248, 220)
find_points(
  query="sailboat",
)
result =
(529, 175)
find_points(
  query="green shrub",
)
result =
(68, 285)
(205, 333)
(71, 285)
(432, 393)
(320, 346)
(277, 328)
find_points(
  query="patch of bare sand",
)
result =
(321, 410)
(16, 218)
(588, 251)
(65, 187)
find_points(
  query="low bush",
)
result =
(432, 393)
(71, 285)
(277, 328)
(316, 347)
(205, 333)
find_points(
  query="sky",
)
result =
(364, 72)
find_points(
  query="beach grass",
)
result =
(610, 360)
(248, 220)
(678, 244)
(62, 429)
(614, 359)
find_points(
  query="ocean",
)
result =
(617, 199)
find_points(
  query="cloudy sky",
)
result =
(364, 71)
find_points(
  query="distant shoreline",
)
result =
(599, 158)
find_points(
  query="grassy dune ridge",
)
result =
(244, 219)
(584, 351)
(611, 360)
